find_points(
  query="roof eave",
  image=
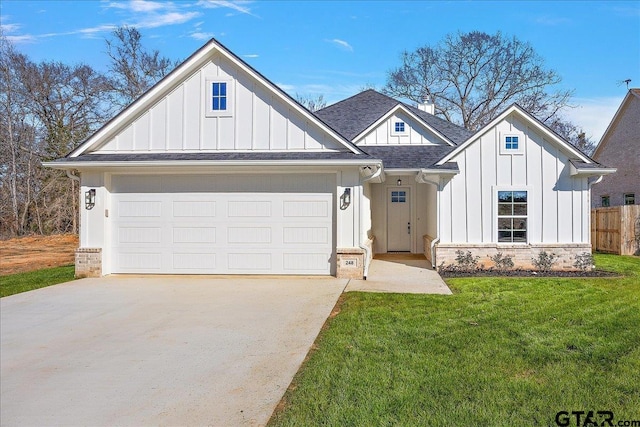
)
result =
(180, 164)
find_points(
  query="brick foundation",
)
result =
(350, 263)
(522, 255)
(88, 262)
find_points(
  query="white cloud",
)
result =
(168, 18)
(238, 6)
(251, 55)
(92, 31)
(551, 21)
(24, 38)
(199, 35)
(593, 115)
(343, 44)
(10, 28)
(146, 6)
(285, 87)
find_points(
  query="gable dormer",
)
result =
(400, 127)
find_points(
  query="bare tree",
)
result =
(312, 103)
(573, 134)
(133, 69)
(48, 108)
(472, 77)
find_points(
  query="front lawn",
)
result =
(499, 352)
(23, 282)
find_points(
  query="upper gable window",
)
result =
(398, 128)
(511, 143)
(219, 97)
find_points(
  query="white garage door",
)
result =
(222, 224)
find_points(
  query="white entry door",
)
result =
(398, 219)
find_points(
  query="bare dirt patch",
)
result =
(29, 253)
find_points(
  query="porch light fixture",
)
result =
(90, 199)
(345, 199)
(399, 182)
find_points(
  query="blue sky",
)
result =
(336, 48)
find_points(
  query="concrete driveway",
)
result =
(157, 351)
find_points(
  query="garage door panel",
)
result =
(250, 261)
(305, 208)
(224, 232)
(140, 262)
(296, 262)
(249, 209)
(194, 208)
(243, 235)
(194, 261)
(306, 235)
(194, 235)
(139, 208)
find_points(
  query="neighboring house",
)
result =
(620, 147)
(215, 170)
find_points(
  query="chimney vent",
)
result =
(427, 105)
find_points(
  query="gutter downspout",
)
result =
(72, 176)
(590, 183)
(367, 253)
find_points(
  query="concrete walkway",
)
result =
(401, 273)
(163, 350)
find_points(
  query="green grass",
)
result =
(23, 282)
(499, 352)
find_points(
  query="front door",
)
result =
(398, 219)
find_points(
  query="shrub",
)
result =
(502, 262)
(466, 261)
(584, 261)
(544, 261)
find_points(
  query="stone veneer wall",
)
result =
(522, 255)
(88, 262)
(350, 263)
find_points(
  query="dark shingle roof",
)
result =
(353, 115)
(216, 156)
(409, 156)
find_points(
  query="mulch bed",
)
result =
(526, 273)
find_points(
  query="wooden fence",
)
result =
(616, 230)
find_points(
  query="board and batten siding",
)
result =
(260, 120)
(558, 205)
(416, 134)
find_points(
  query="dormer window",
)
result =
(511, 143)
(398, 128)
(219, 97)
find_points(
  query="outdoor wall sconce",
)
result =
(90, 199)
(345, 199)
(399, 182)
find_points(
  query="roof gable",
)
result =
(417, 131)
(632, 97)
(531, 122)
(359, 114)
(172, 116)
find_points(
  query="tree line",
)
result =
(48, 108)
